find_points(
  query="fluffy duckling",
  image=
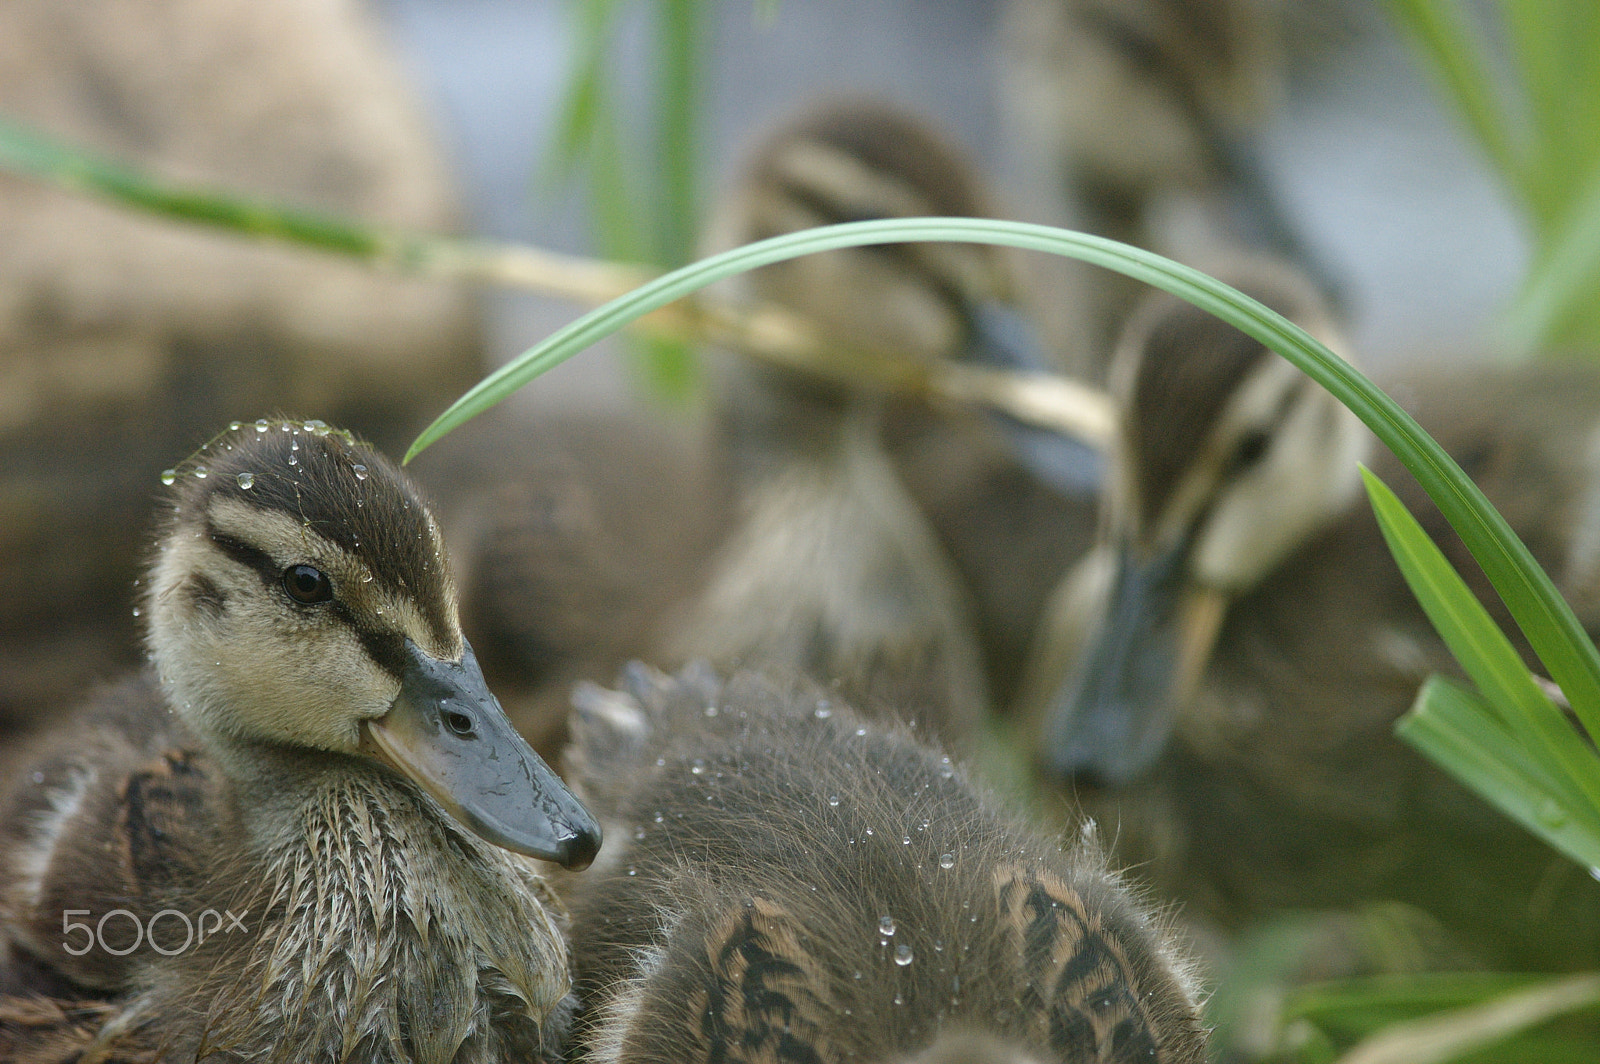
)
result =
(302, 834)
(792, 882)
(833, 568)
(1252, 641)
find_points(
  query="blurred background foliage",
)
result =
(1525, 79)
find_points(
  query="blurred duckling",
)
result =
(1143, 113)
(791, 881)
(313, 755)
(1250, 642)
(833, 567)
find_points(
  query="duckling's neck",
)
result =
(364, 889)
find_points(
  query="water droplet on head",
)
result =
(824, 709)
(903, 955)
(169, 476)
(38, 777)
(235, 426)
(905, 840)
(833, 799)
(947, 860)
(638, 833)
(137, 611)
(293, 460)
(697, 766)
(201, 472)
(711, 711)
(262, 425)
(861, 731)
(246, 480)
(886, 925)
(360, 471)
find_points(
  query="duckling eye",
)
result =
(307, 584)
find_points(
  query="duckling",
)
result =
(303, 832)
(1143, 113)
(833, 567)
(1251, 642)
(793, 881)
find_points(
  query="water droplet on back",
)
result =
(947, 860)
(263, 425)
(903, 955)
(246, 480)
(169, 476)
(360, 471)
(886, 925)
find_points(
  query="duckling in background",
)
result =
(834, 568)
(313, 753)
(1142, 112)
(1252, 642)
(589, 527)
(788, 880)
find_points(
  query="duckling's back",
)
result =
(786, 880)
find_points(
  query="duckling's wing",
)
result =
(114, 814)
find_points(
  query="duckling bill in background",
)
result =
(1254, 642)
(313, 752)
(788, 881)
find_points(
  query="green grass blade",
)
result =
(678, 149)
(1483, 651)
(25, 152)
(1451, 1035)
(1457, 729)
(1545, 618)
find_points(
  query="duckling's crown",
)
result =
(335, 486)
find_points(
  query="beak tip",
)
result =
(579, 852)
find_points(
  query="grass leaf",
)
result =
(1484, 652)
(1457, 729)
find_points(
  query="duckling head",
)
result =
(1228, 459)
(854, 160)
(301, 601)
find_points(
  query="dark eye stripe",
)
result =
(246, 555)
(386, 647)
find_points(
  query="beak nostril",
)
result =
(459, 722)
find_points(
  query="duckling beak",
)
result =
(1114, 716)
(447, 734)
(1002, 338)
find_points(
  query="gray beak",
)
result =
(448, 735)
(1001, 338)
